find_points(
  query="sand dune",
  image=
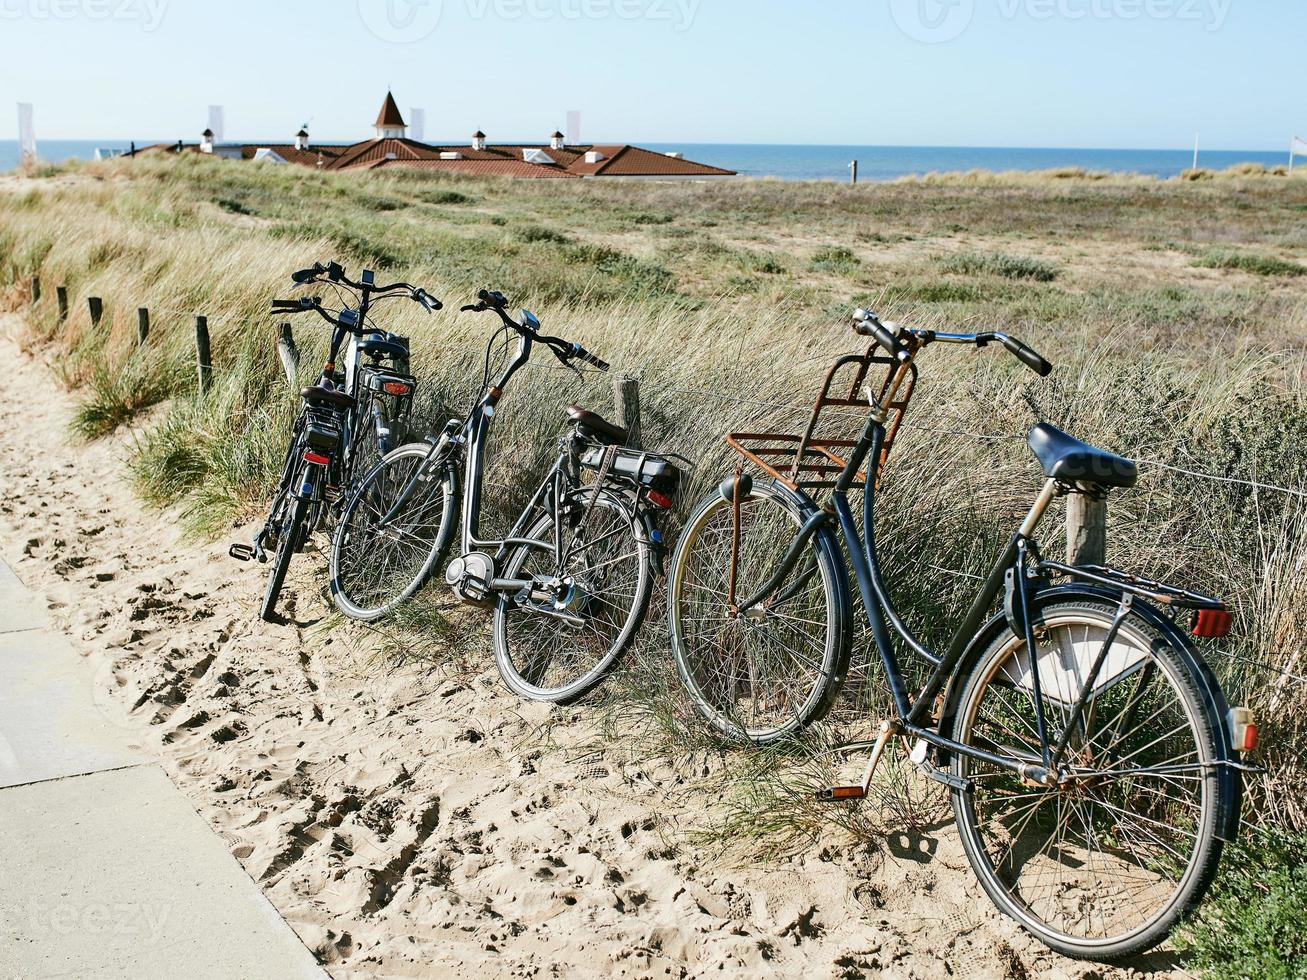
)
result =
(409, 821)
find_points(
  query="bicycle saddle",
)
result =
(318, 395)
(600, 427)
(1066, 458)
(383, 345)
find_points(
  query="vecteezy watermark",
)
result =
(405, 21)
(400, 21)
(937, 21)
(148, 13)
(37, 919)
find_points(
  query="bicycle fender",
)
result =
(1228, 777)
(657, 545)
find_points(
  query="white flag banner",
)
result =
(215, 122)
(574, 126)
(1298, 147)
(417, 124)
(26, 134)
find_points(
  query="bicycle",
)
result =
(1093, 783)
(569, 583)
(348, 418)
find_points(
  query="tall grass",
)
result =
(696, 289)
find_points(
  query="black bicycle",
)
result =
(569, 583)
(350, 418)
(1093, 781)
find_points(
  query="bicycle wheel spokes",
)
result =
(377, 561)
(759, 674)
(1108, 852)
(604, 584)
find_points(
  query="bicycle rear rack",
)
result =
(813, 461)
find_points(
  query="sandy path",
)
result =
(409, 821)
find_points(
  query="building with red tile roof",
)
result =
(391, 148)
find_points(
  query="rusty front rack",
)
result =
(813, 461)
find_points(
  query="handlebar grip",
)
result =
(492, 297)
(1026, 354)
(279, 305)
(430, 302)
(589, 358)
(868, 324)
(471, 308)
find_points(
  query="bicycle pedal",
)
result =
(841, 793)
(241, 552)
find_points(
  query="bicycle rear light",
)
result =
(396, 388)
(1211, 623)
(311, 457)
(1243, 729)
(660, 500)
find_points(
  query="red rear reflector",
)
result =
(1212, 623)
(318, 458)
(660, 500)
(395, 388)
(1243, 729)
(846, 793)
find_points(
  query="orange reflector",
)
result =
(660, 500)
(846, 793)
(1243, 729)
(1212, 623)
(395, 388)
(318, 458)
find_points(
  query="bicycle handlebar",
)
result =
(564, 350)
(335, 273)
(887, 336)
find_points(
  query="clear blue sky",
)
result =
(1077, 73)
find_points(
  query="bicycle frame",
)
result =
(1018, 569)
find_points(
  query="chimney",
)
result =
(478, 140)
(593, 156)
(556, 141)
(302, 138)
(206, 141)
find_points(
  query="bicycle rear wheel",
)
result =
(291, 531)
(1104, 864)
(606, 585)
(763, 676)
(376, 565)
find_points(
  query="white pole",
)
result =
(1195, 151)
(1293, 147)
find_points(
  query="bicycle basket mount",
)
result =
(813, 460)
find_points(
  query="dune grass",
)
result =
(729, 301)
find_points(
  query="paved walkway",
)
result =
(106, 870)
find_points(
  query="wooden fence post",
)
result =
(289, 354)
(626, 400)
(203, 362)
(1086, 529)
(61, 298)
(96, 306)
(36, 290)
(853, 169)
(142, 326)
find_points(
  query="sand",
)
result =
(409, 821)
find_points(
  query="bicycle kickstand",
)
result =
(857, 791)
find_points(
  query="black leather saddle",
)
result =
(597, 426)
(318, 395)
(383, 345)
(1068, 459)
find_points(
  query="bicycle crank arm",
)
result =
(859, 790)
(576, 622)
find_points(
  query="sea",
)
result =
(790, 162)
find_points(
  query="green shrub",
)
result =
(1254, 922)
(1260, 265)
(538, 233)
(837, 259)
(1006, 266)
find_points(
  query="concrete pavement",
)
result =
(106, 870)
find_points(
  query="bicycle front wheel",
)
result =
(375, 563)
(1102, 865)
(292, 529)
(769, 673)
(603, 590)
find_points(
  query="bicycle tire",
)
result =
(287, 544)
(698, 667)
(513, 676)
(1109, 828)
(386, 476)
